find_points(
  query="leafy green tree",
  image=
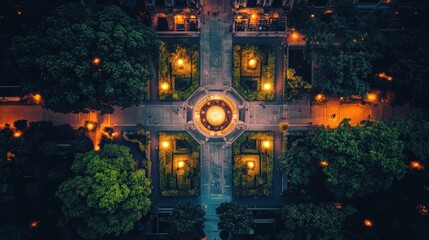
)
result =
(234, 219)
(106, 196)
(295, 87)
(187, 222)
(87, 58)
(342, 45)
(309, 221)
(358, 160)
(415, 135)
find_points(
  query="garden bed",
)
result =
(178, 71)
(179, 166)
(253, 165)
(253, 71)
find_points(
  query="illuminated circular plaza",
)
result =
(215, 115)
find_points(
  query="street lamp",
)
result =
(180, 164)
(180, 63)
(324, 163)
(96, 61)
(368, 223)
(17, 134)
(251, 64)
(165, 144)
(250, 165)
(267, 88)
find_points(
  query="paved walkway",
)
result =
(216, 69)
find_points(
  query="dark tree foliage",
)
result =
(105, 196)
(341, 44)
(360, 160)
(234, 219)
(187, 222)
(314, 222)
(32, 167)
(87, 58)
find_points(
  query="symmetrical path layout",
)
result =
(216, 157)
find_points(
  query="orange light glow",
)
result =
(165, 86)
(319, 97)
(422, 209)
(96, 148)
(338, 205)
(180, 63)
(416, 165)
(192, 17)
(10, 156)
(267, 86)
(165, 144)
(114, 134)
(324, 163)
(90, 126)
(371, 97)
(367, 223)
(266, 144)
(180, 164)
(387, 1)
(37, 98)
(96, 61)
(312, 15)
(254, 16)
(251, 64)
(329, 11)
(295, 36)
(17, 134)
(385, 76)
(250, 164)
(34, 224)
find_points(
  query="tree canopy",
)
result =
(234, 218)
(187, 222)
(295, 87)
(341, 44)
(87, 58)
(356, 160)
(311, 222)
(105, 195)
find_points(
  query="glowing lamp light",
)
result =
(165, 144)
(266, 144)
(368, 223)
(17, 134)
(267, 86)
(19, 12)
(165, 86)
(254, 16)
(416, 165)
(324, 163)
(338, 205)
(192, 17)
(312, 15)
(90, 126)
(372, 97)
(250, 164)
(180, 164)
(295, 36)
(34, 224)
(319, 97)
(37, 98)
(96, 61)
(96, 148)
(329, 11)
(180, 63)
(252, 63)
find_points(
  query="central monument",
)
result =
(215, 115)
